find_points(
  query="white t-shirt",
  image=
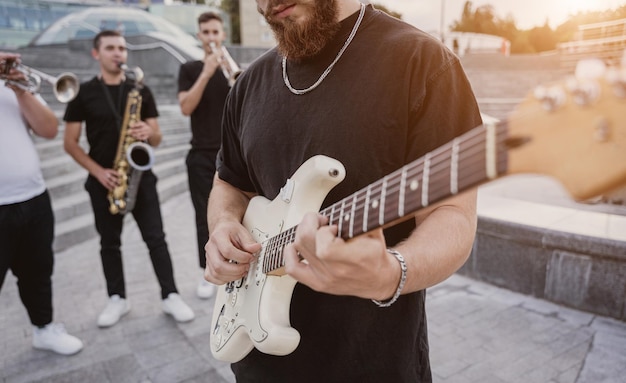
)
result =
(20, 173)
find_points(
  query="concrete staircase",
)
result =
(500, 82)
(65, 178)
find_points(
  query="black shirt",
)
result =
(396, 94)
(207, 117)
(102, 122)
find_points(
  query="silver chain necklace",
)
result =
(330, 67)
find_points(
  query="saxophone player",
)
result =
(100, 104)
(202, 91)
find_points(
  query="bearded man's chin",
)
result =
(300, 41)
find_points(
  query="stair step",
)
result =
(81, 227)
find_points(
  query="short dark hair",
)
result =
(105, 33)
(208, 16)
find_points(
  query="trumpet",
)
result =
(229, 66)
(65, 86)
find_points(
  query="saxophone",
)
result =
(133, 157)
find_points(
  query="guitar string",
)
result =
(440, 159)
(440, 175)
(415, 168)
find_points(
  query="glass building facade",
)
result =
(51, 21)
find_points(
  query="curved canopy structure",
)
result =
(85, 24)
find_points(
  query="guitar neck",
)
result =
(469, 160)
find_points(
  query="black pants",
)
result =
(200, 172)
(147, 214)
(26, 235)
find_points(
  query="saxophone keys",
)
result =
(113, 209)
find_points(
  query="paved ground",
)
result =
(478, 333)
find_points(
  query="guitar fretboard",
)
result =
(467, 161)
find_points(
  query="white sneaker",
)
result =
(174, 306)
(116, 308)
(205, 289)
(53, 337)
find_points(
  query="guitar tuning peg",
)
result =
(590, 69)
(602, 129)
(584, 91)
(550, 97)
(616, 77)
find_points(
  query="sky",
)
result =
(426, 14)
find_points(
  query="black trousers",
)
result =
(26, 235)
(200, 172)
(147, 214)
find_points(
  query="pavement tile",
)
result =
(478, 333)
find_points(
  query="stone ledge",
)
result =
(582, 272)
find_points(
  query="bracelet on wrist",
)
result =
(403, 269)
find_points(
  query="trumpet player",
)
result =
(202, 90)
(100, 103)
(26, 217)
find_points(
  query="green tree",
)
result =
(538, 39)
(231, 8)
(542, 38)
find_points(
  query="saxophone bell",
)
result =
(140, 156)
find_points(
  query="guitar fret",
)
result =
(401, 197)
(341, 217)
(274, 261)
(373, 219)
(454, 167)
(352, 212)
(381, 208)
(425, 180)
(366, 208)
(267, 262)
(332, 215)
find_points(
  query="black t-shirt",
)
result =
(206, 119)
(102, 122)
(394, 95)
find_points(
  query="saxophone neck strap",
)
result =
(116, 109)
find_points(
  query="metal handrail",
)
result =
(149, 46)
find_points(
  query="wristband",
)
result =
(403, 269)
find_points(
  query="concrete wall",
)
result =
(582, 272)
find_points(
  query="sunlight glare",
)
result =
(575, 6)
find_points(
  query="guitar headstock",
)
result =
(574, 131)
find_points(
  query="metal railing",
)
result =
(157, 45)
(606, 41)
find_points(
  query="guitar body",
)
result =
(254, 312)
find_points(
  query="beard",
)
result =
(299, 41)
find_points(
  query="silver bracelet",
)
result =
(403, 267)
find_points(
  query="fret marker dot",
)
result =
(375, 203)
(346, 217)
(414, 185)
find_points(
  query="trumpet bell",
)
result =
(66, 87)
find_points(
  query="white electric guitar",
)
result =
(574, 132)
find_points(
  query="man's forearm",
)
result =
(226, 203)
(39, 117)
(441, 243)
